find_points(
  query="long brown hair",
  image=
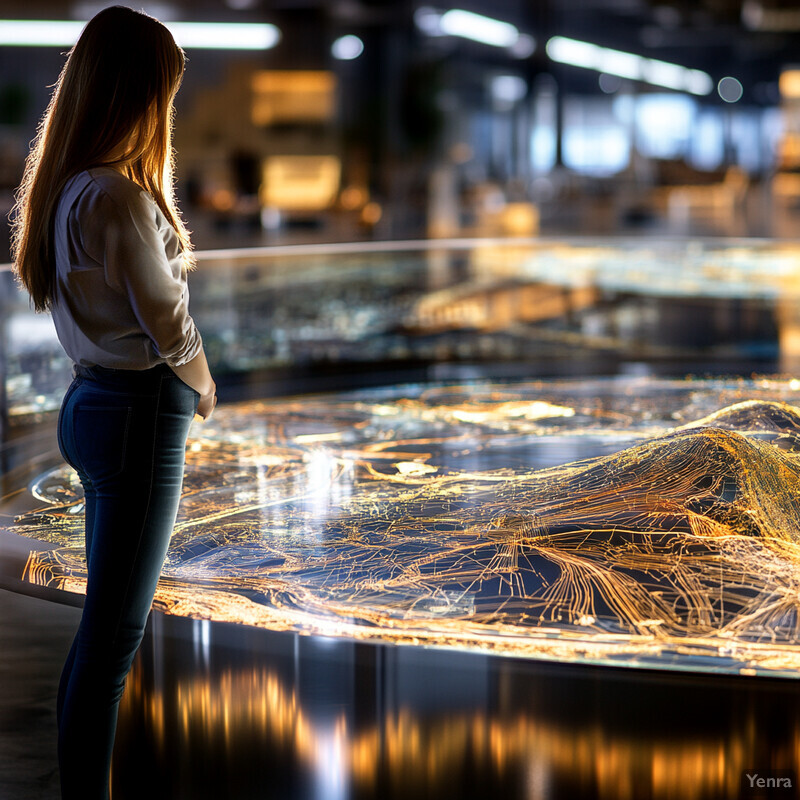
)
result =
(112, 105)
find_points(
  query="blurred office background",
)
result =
(544, 130)
(361, 118)
(631, 168)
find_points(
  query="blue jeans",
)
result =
(124, 432)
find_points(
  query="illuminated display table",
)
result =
(502, 535)
(645, 523)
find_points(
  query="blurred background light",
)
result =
(509, 88)
(628, 65)
(428, 20)
(348, 47)
(609, 83)
(200, 35)
(789, 84)
(730, 90)
(225, 35)
(698, 82)
(32, 33)
(486, 30)
(661, 73)
(524, 47)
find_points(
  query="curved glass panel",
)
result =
(318, 317)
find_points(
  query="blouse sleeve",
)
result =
(122, 233)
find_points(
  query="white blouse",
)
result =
(120, 299)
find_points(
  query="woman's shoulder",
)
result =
(114, 184)
(103, 186)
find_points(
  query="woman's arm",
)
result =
(122, 233)
(196, 374)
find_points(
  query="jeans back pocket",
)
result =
(101, 439)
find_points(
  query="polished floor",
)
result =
(35, 636)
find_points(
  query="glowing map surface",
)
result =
(636, 522)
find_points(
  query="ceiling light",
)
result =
(200, 35)
(628, 65)
(661, 73)
(699, 82)
(23, 32)
(225, 35)
(486, 30)
(428, 21)
(615, 62)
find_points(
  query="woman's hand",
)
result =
(207, 404)
(195, 373)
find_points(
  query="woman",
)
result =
(99, 243)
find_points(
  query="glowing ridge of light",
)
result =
(200, 35)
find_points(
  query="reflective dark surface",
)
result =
(214, 710)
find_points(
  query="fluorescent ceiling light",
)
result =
(225, 35)
(628, 65)
(661, 73)
(31, 33)
(615, 62)
(200, 35)
(699, 82)
(486, 30)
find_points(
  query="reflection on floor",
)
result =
(629, 522)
